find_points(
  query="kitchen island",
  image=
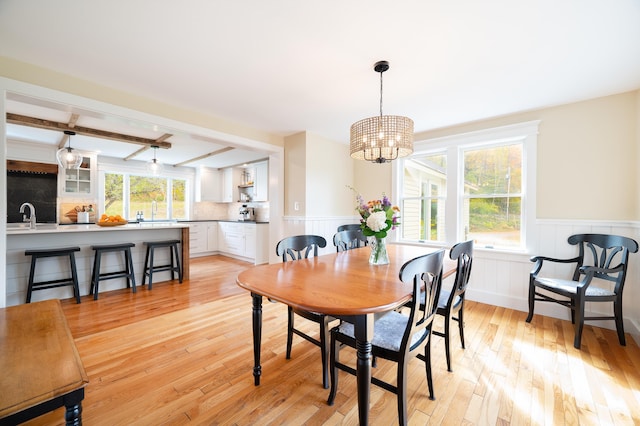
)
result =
(46, 236)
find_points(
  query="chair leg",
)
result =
(461, 324)
(324, 349)
(32, 272)
(131, 279)
(175, 249)
(289, 331)
(532, 299)
(96, 275)
(334, 358)
(447, 339)
(578, 314)
(617, 310)
(146, 267)
(401, 388)
(427, 363)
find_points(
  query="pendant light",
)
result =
(67, 157)
(382, 138)
(154, 166)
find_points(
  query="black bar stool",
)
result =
(127, 272)
(42, 285)
(174, 266)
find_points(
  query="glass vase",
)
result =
(379, 254)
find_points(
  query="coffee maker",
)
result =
(246, 213)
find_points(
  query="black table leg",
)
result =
(257, 336)
(73, 404)
(363, 329)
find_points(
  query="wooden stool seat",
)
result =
(127, 272)
(42, 285)
(173, 266)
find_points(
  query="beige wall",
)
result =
(587, 157)
(295, 163)
(329, 174)
(372, 180)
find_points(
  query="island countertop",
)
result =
(50, 228)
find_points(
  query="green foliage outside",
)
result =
(146, 194)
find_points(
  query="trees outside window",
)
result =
(478, 185)
(156, 197)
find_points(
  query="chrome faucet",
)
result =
(32, 214)
(154, 209)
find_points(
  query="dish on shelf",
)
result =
(111, 223)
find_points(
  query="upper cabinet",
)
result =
(231, 178)
(210, 184)
(261, 182)
(79, 182)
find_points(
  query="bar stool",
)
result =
(127, 272)
(42, 285)
(174, 266)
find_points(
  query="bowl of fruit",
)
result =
(114, 220)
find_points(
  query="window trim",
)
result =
(453, 146)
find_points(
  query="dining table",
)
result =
(342, 284)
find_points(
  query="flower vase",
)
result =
(379, 254)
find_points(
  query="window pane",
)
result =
(423, 198)
(113, 194)
(178, 210)
(495, 170)
(494, 222)
(149, 195)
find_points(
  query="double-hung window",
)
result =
(478, 186)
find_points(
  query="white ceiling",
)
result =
(284, 66)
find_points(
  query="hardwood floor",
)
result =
(182, 353)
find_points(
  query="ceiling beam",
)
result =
(146, 148)
(23, 120)
(211, 154)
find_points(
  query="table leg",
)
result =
(257, 336)
(73, 405)
(363, 329)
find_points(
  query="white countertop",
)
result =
(50, 228)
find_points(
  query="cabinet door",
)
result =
(79, 182)
(231, 178)
(197, 237)
(212, 236)
(261, 182)
(210, 185)
(250, 240)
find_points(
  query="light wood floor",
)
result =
(183, 354)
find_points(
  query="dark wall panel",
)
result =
(38, 189)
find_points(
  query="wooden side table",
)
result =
(40, 364)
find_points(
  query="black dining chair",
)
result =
(296, 248)
(349, 227)
(601, 258)
(398, 336)
(451, 301)
(349, 239)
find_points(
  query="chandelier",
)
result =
(382, 138)
(66, 157)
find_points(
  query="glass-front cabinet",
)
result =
(79, 182)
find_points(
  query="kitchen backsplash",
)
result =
(69, 208)
(208, 210)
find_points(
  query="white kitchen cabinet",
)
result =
(244, 239)
(231, 178)
(210, 184)
(212, 236)
(261, 182)
(197, 238)
(79, 182)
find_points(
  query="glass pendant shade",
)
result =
(382, 138)
(155, 167)
(68, 158)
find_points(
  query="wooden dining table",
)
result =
(343, 285)
(40, 365)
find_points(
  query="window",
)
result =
(423, 198)
(478, 186)
(156, 197)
